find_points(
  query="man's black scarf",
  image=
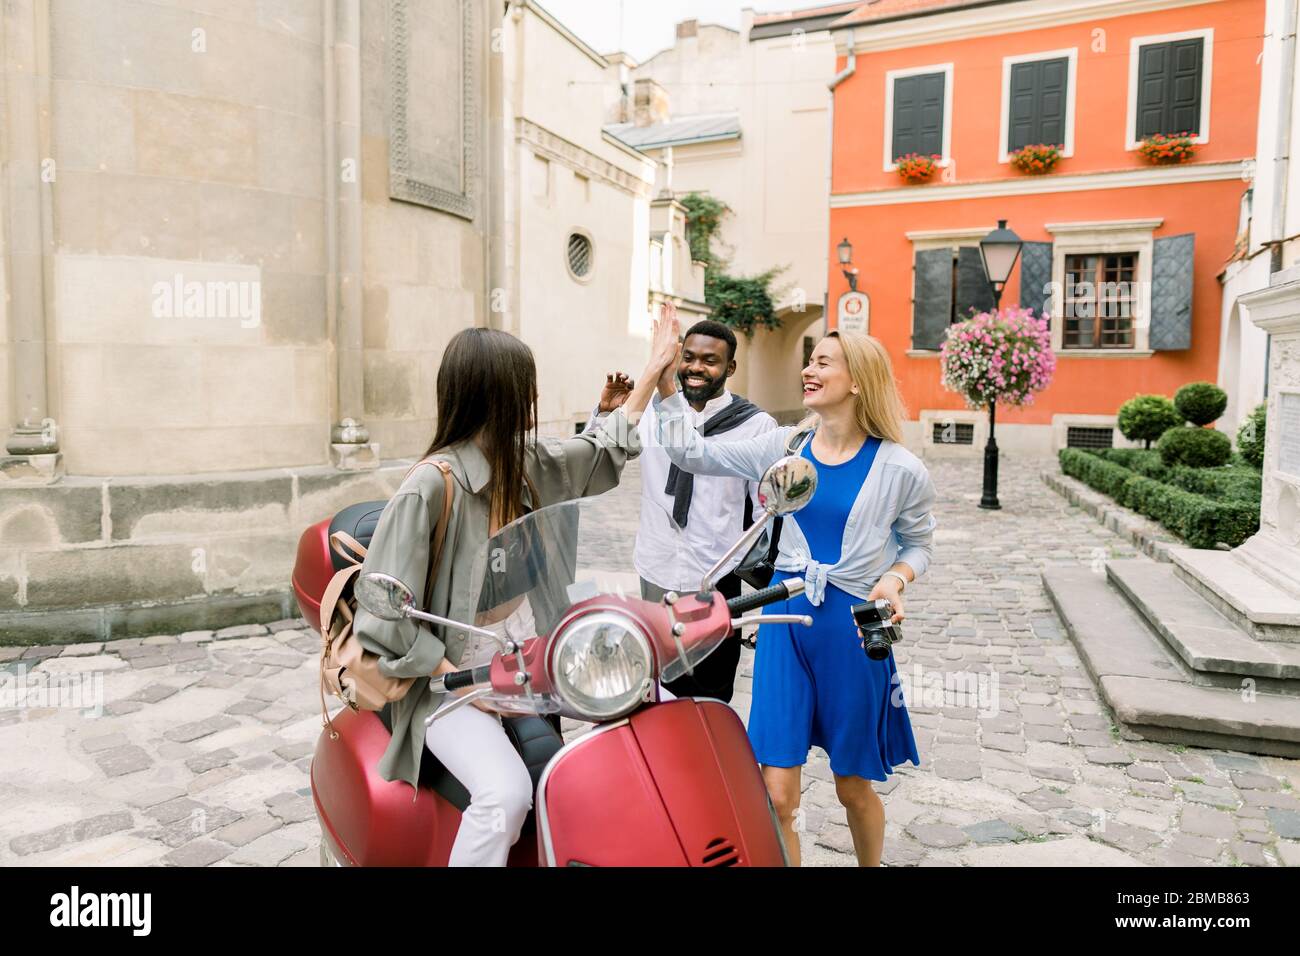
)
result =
(681, 484)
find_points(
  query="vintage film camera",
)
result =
(879, 632)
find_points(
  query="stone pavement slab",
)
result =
(199, 754)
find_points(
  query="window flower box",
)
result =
(916, 168)
(1037, 158)
(1167, 149)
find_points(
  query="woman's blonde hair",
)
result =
(879, 406)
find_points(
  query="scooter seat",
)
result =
(533, 737)
(358, 520)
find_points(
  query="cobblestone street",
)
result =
(202, 752)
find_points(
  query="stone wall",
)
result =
(104, 558)
(236, 225)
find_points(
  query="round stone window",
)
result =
(579, 255)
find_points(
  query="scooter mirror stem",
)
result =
(744, 544)
(413, 612)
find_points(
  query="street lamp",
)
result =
(845, 251)
(999, 251)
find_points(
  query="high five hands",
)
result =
(621, 391)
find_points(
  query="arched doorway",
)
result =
(774, 359)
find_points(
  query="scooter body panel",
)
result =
(673, 785)
(370, 821)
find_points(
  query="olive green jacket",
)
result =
(560, 470)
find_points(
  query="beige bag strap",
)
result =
(331, 601)
(341, 543)
(440, 532)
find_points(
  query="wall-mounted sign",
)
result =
(854, 312)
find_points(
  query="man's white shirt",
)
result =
(676, 558)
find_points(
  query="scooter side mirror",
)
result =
(384, 596)
(787, 485)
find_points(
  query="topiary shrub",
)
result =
(1250, 437)
(1146, 417)
(1200, 402)
(1194, 447)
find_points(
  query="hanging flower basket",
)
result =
(1037, 158)
(916, 168)
(1167, 149)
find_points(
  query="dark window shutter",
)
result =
(1169, 87)
(1036, 277)
(1171, 293)
(1036, 112)
(931, 298)
(973, 289)
(918, 114)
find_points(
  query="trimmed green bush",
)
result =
(1250, 436)
(1200, 402)
(1237, 481)
(1194, 447)
(1147, 417)
(1200, 520)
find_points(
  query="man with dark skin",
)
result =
(688, 522)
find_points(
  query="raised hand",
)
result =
(618, 386)
(665, 345)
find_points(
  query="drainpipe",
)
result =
(1282, 150)
(350, 446)
(29, 238)
(500, 138)
(850, 67)
(1282, 156)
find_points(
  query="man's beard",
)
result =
(704, 393)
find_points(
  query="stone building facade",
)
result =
(237, 235)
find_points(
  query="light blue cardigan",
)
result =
(891, 519)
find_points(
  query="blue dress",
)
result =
(815, 686)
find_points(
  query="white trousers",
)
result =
(474, 747)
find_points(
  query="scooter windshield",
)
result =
(554, 557)
(535, 568)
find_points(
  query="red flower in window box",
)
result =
(916, 168)
(1166, 149)
(1037, 158)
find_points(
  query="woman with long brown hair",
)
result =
(865, 535)
(486, 433)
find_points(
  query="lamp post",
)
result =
(845, 252)
(999, 251)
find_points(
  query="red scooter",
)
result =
(655, 783)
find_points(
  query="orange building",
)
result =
(1124, 254)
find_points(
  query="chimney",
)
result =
(649, 102)
(688, 28)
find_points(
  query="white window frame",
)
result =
(1096, 238)
(890, 77)
(1131, 141)
(939, 239)
(1004, 130)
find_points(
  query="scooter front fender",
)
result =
(675, 784)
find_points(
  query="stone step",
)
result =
(1217, 651)
(1150, 688)
(1256, 604)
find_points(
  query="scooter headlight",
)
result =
(602, 665)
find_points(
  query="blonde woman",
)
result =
(865, 535)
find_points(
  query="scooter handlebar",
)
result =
(467, 678)
(768, 595)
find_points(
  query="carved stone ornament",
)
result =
(433, 82)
